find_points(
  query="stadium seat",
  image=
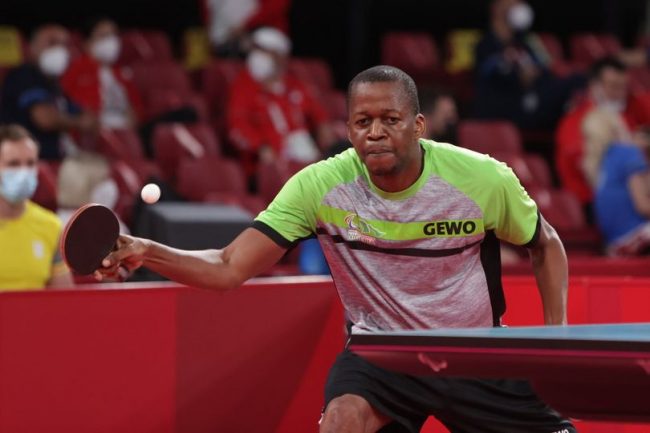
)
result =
(252, 203)
(271, 177)
(586, 48)
(174, 141)
(12, 47)
(199, 177)
(564, 212)
(120, 144)
(518, 164)
(552, 45)
(459, 46)
(144, 45)
(639, 79)
(490, 136)
(45, 194)
(539, 169)
(336, 105)
(218, 75)
(155, 76)
(315, 73)
(415, 53)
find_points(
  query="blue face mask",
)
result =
(18, 184)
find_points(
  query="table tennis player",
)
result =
(29, 234)
(410, 228)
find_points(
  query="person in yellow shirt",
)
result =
(29, 234)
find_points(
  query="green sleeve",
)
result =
(515, 215)
(292, 214)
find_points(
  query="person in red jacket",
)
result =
(608, 89)
(271, 113)
(96, 83)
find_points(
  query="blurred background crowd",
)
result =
(221, 101)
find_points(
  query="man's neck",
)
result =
(11, 210)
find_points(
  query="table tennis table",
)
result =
(599, 372)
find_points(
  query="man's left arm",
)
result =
(551, 272)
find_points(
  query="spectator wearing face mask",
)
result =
(271, 114)
(229, 20)
(29, 234)
(607, 89)
(33, 98)
(95, 82)
(513, 80)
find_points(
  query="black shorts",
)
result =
(462, 405)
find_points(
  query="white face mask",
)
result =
(18, 184)
(54, 60)
(260, 65)
(106, 50)
(520, 16)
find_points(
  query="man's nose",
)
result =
(376, 129)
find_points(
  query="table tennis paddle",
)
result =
(88, 237)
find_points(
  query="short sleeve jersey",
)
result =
(29, 254)
(425, 257)
(613, 205)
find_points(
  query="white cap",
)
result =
(271, 39)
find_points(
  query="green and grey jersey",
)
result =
(426, 257)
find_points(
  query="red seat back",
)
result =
(199, 177)
(491, 137)
(119, 144)
(173, 142)
(415, 53)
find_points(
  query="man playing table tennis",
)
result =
(410, 229)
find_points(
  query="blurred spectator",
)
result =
(29, 234)
(229, 20)
(271, 113)
(615, 165)
(32, 97)
(513, 79)
(608, 89)
(98, 186)
(441, 114)
(95, 82)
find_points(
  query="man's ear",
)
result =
(420, 126)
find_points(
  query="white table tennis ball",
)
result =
(150, 193)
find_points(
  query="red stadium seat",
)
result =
(492, 137)
(539, 169)
(174, 141)
(199, 177)
(151, 77)
(315, 73)
(336, 105)
(552, 45)
(415, 53)
(218, 76)
(589, 47)
(252, 203)
(271, 177)
(564, 212)
(45, 194)
(518, 164)
(147, 45)
(120, 144)
(639, 79)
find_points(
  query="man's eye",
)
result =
(392, 120)
(363, 122)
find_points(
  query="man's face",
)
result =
(103, 29)
(383, 128)
(49, 37)
(18, 154)
(612, 84)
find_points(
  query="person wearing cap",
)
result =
(271, 114)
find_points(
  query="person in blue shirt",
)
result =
(616, 166)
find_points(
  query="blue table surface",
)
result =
(636, 332)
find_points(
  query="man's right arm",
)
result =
(250, 254)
